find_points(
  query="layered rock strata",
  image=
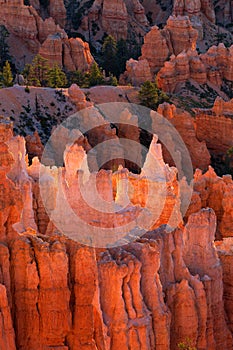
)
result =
(153, 292)
(43, 36)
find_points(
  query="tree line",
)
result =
(40, 74)
(111, 63)
(113, 58)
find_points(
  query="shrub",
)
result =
(151, 96)
(7, 77)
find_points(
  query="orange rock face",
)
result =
(57, 11)
(215, 126)
(78, 97)
(199, 234)
(149, 293)
(44, 36)
(34, 145)
(114, 18)
(178, 35)
(25, 23)
(7, 340)
(224, 249)
(213, 66)
(194, 8)
(152, 41)
(137, 72)
(214, 192)
(73, 54)
(185, 125)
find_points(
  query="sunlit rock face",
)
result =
(148, 292)
(219, 122)
(194, 8)
(174, 60)
(44, 36)
(185, 124)
(177, 36)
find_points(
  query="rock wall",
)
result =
(177, 35)
(194, 8)
(57, 11)
(121, 19)
(212, 67)
(215, 126)
(186, 126)
(171, 54)
(72, 54)
(151, 293)
(214, 192)
(43, 36)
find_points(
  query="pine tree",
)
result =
(78, 78)
(37, 72)
(112, 80)
(30, 75)
(109, 51)
(95, 76)
(7, 76)
(56, 77)
(4, 49)
(151, 96)
(122, 56)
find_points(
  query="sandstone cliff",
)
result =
(150, 293)
(185, 125)
(122, 19)
(72, 54)
(44, 36)
(213, 67)
(215, 126)
(159, 45)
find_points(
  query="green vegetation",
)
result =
(4, 48)
(56, 77)
(109, 51)
(186, 345)
(151, 96)
(36, 73)
(78, 78)
(39, 73)
(114, 55)
(95, 76)
(7, 77)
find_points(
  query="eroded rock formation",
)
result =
(43, 36)
(212, 67)
(185, 125)
(73, 54)
(114, 18)
(194, 8)
(215, 126)
(152, 292)
(177, 36)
